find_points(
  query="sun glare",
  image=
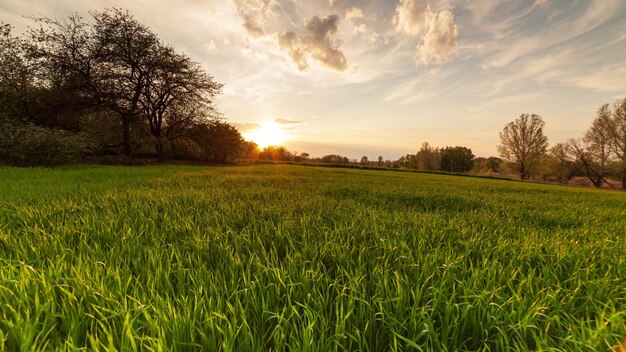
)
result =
(268, 134)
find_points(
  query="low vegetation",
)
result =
(283, 257)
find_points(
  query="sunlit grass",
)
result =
(283, 257)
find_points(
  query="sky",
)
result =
(375, 77)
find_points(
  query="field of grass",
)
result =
(293, 258)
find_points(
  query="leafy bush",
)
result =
(31, 145)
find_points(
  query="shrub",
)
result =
(23, 144)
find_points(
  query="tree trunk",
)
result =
(624, 177)
(126, 136)
(159, 149)
(174, 153)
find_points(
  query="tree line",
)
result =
(599, 155)
(108, 86)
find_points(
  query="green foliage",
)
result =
(491, 164)
(274, 153)
(30, 145)
(219, 141)
(456, 159)
(283, 257)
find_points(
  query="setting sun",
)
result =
(268, 134)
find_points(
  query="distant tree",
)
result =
(335, 159)
(276, 154)
(560, 164)
(428, 157)
(598, 139)
(523, 144)
(220, 141)
(408, 161)
(302, 157)
(456, 159)
(617, 134)
(380, 161)
(494, 164)
(480, 164)
(364, 160)
(250, 151)
(580, 151)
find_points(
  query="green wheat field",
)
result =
(296, 258)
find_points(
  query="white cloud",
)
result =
(374, 38)
(437, 30)
(360, 29)
(210, 45)
(439, 42)
(354, 13)
(410, 16)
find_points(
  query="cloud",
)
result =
(437, 30)
(410, 16)
(566, 26)
(287, 121)
(253, 29)
(210, 45)
(260, 17)
(360, 29)
(292, 44)
(439, 42)
(374, 37)
(333, 3)
(319, 43)
(354, 13)
(251, 12)
(247, 127)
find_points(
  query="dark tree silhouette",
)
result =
(220, 142)
(617, 133)
(456, 159)
(119, 64)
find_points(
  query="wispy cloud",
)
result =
(287, 121)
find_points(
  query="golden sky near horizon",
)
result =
(381, 77)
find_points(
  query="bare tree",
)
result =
(523, 144)
(562, 163)
(104, 62)
(16, 78)
(598, 140)
(120, 65)
(174, 85)
(617, 133)
(581, 151)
